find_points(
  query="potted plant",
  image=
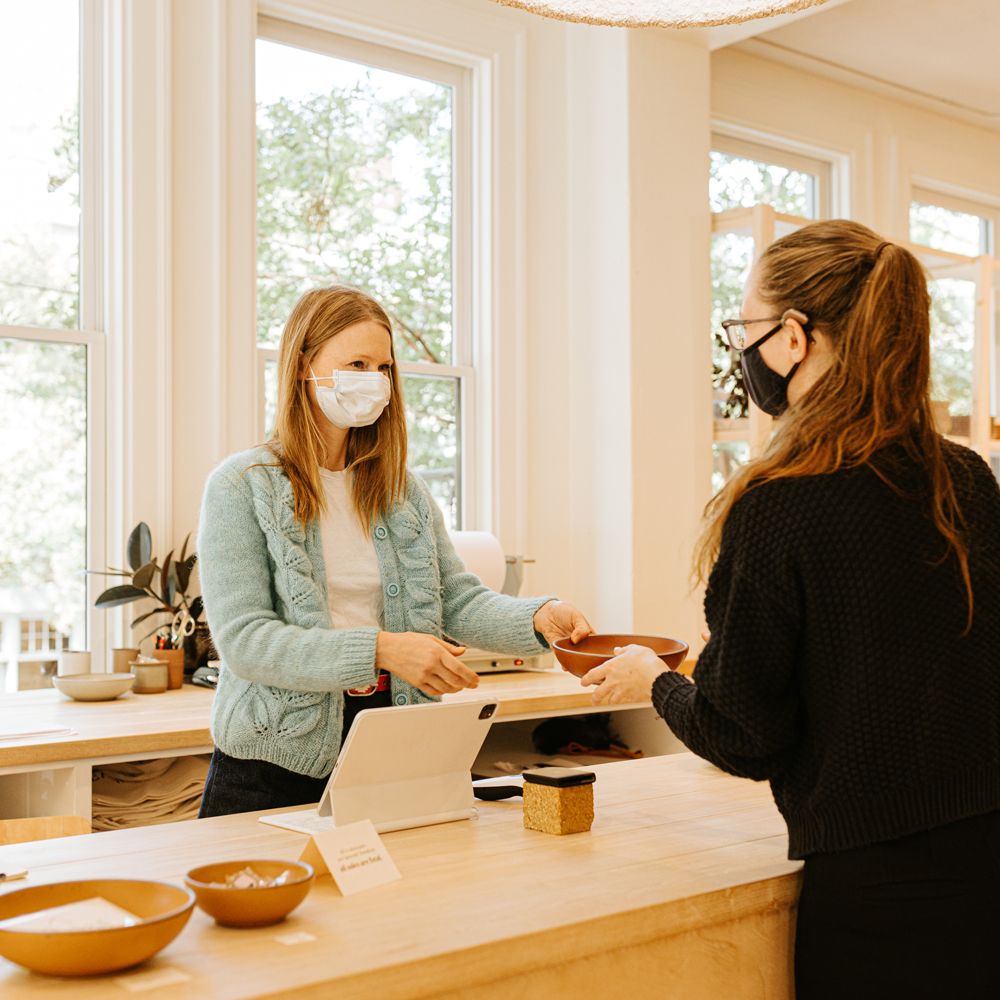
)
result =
(169, 585)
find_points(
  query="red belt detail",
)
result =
(382, 684)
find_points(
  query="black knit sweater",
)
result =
(837, 669)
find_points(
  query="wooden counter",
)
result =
(682, 889)
(50, 774)
(135, 723)
(179, 720)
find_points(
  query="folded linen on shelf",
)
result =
(145, 793)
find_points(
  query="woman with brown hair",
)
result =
(854, 608)
(328, 575)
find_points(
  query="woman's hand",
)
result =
(424, 661)
(627, 678)
(558, 620)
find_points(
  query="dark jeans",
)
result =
(913, 918)
(234, 786)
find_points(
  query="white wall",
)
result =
(600, 372)
(891, 146)
(600, 245)
(618, 299)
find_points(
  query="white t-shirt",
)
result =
(353, 579)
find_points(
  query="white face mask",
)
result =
(356, 399)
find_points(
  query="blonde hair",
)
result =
(870, 298)
(376, 454)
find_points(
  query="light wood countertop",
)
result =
(134, 723)
(684, 865)
(179, 720)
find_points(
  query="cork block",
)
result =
(558, 800)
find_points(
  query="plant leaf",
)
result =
(144, 576)
(140, 546)
(172, 585)
(165, 577)
(184, 568)
(197, 606)
(149, 614)
(184, 548)
(115, 596)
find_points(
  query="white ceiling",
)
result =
(943, 54)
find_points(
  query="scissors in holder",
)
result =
(182, 627)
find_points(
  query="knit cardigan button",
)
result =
(380, 532)
(392, 590)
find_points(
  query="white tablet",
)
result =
(401, 767)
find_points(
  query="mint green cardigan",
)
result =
(284, 669)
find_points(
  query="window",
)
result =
(363, 179)
(756, 194)
(951, 236)
(50, 355)
(951, 224)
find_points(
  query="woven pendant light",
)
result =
(660, 13)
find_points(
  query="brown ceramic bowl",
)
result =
(164, 910)
(234, 907)
(579, 657)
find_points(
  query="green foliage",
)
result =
(40, 267)
(173, 578)
(331, 207)
(43, 448)
(355, 186)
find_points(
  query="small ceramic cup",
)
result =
(150, 676)
(121, 659)
(73, 661)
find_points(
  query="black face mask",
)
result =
(765, 386)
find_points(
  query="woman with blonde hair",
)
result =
(854, 608)
(329, 578)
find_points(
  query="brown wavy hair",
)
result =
(870, 298)
(376, 454)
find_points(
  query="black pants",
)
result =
(913, 918)
(234, 786)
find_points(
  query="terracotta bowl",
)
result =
(164, 910)
(234, 907)
(578, 658)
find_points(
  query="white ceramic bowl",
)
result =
(94, 687)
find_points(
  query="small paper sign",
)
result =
(354, 855)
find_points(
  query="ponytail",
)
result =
(870, 298)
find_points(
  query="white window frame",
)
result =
(469, 266)
(764, 224)
(967, 206)
(793, 156)
(91, 332)
(984, 270)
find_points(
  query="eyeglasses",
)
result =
(735, 330)
(736, 334)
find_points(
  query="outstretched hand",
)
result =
(560, 620)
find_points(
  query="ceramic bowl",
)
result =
(234, 907)
(164, 910)
(578, 658)
(94, 687)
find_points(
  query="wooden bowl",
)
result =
(94, 687)
(578, 658)
(164, 910)
(234, 907)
